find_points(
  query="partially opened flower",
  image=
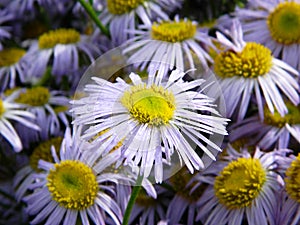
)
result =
(123, 15)
(274, 24)
(248, 70)
(61, 49)
(153, 119)
(178, 43)
(72, 189)
(274, 131)
(244, 190)
(10, 110)
(12, 68)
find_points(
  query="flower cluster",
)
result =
(149, 112)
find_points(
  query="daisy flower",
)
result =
(122, 15)
(274, 131)
(72, 188)
(48, 106)
(13, 69)
(248, 70)
(10, 110)
(274, 24)
(178, 43)
(63, 47)
(153, 119)
(244, 190)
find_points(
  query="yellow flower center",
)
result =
(2, 109)
(292, 180)
(10, 56)
(152, 105)
(36, 96)
(240, 183)
(73, 185)
(43, 151)
(172, 31)
(59, 36)
(253, 61)
(284, 22)
(119, 7)
(179, 183)
(292, 117)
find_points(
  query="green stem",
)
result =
(134, 195)
(89, 9)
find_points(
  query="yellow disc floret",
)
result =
(119, 7)
(284, 22)
(240, 182)
(36, 96)
(10, 56)
(43, 151)
(253, 61)
(73, 185)
(59, 36)
(2, 109)
(292, 180)
(152, 105)
(292, 117)
(172, 31)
